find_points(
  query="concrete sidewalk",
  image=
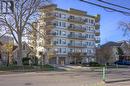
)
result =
(79, 68)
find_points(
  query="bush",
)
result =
(85, 64)
(34, 60)
(94, 64)
(25, 61)
(47, 67)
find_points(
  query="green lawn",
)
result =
(28, 68)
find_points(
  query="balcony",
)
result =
(51, 34)
(74, 53)
(97, 41)
(97, 18)
(77, 28)
(97, 27)
(97, 33)
(49, 25)
(55, 42)
(76, 20)
(72, 36)
(48, 17)
(75, 45)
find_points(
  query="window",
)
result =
(89, 20)
(71, 17)
(86, 36)
(63, 50)
(89, 36)
(92, 35)
(63, 16)
(63, 24)
(89, 29)
(56, 23)
(60, 50)
(92, 21)
(80, 34)
(72, 33)
(56, 14)
(57, 41)
(63, 41)
(72, 25)
(59, 32)
(86, 20)
(64, 33)
(89, 51)
(71, 50)
(56, 32)
(60, 41)
(60, 24)
(60, 15)
(87, 43)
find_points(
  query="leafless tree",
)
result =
(26, 11)
(125, 27)
(76, 56)
(3, 31)
(103, 54)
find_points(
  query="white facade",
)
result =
(67, 36)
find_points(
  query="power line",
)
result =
(114, 4)
(123, 12)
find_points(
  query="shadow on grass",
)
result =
(116, 81)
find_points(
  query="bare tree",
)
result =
(26, 11)
(8, 48)
(76, 56)
(103, 54)
(125, 27)
(3, 31)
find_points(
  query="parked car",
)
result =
(122, 62)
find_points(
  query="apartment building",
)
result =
(64, 33)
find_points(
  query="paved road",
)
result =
(50, 79)
(116, 77)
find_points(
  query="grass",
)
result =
(28, 68)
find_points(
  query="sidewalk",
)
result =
(79, 68)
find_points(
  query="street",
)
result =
(50, 79)
(115, 77)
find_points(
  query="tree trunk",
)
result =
(19, 60)
(46, 59)
(7, 59)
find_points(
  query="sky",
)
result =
(109, 20)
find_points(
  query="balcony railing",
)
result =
(51, 34)
(77, 45)
(77, 28)
(97, 41)
(81, 53)
(48, 16)
(76, 36)
(97, 27)
(76, 20)
(49, 25)
(97, 33)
